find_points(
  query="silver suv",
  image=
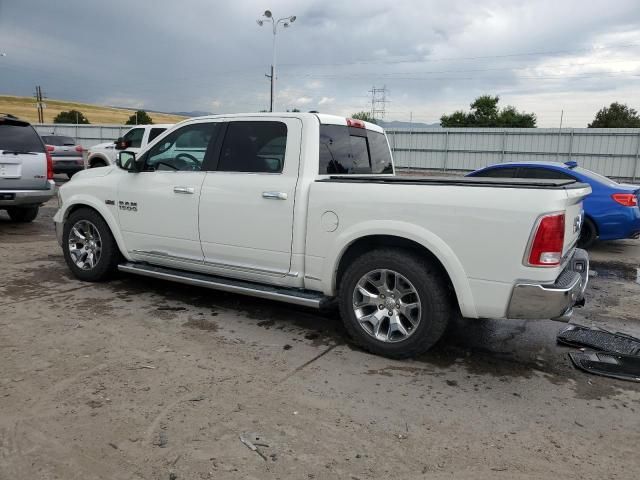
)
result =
(26, 170)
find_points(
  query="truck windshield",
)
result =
(349, 150)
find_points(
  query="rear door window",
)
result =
(497, 173)
(257, 147)
(154, 132)
(135, 137)
(349, 150)
(19, 136)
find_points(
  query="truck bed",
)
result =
(460, 181)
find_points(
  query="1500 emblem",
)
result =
(128, 206)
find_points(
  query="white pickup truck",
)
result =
(305, 208)
(134, 140)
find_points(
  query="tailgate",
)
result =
(574, 216)
(23, 171)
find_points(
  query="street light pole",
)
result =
(286, 22)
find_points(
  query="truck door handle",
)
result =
(187, 190)
(274, 195)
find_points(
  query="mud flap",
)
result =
(623, 367)
(579, 336)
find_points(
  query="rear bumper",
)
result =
(12, 198)
(68, 164)
(531, 300)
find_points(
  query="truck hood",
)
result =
(92, 173)
(103, 146)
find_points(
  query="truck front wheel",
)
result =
(90, 250)
(394, 303)
(97, 163)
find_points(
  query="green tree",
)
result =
(616, 115)
(365, 116)
(140, 118)
(293, 110)
(71, 116)
(485, 113)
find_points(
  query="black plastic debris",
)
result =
(602, 340)
(623, 367)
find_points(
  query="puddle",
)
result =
(622, 271)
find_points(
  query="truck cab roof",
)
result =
(323, 118)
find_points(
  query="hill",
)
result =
(24, 107)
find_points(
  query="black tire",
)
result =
(70, 174)
(431, 288)
(97, 163)
(588, 234)
(23, 214)
(107, 263)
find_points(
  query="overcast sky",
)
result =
(433, 56)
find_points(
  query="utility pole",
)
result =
(559, 135)
(378, 101)
(39, 104)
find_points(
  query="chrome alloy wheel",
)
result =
(85, 245)
(387, 305)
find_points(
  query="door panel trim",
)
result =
(225, 266)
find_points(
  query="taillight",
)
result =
(626, 199)
(49, 167)
(548, 241)
(354, 122)
(79, 148)
(50, 148)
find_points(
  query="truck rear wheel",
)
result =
(90, 250)
(588, 234)
(394, 303)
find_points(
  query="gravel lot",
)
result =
(145, 379)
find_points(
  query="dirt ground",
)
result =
(146, 379)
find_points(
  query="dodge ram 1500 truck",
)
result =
(306, 208)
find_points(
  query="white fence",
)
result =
(609, 151)
(85, 135)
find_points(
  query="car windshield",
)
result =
(595, 176)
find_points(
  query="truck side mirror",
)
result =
(122, 144)
(127, 161)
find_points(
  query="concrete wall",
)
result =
(609, 151)
(85, 135)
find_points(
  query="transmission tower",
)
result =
(378, 101)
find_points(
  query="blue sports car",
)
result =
(611, 211)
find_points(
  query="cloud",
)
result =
(326, 100)
(303, 100)
(539, 55)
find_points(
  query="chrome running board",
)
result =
(289, 295)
